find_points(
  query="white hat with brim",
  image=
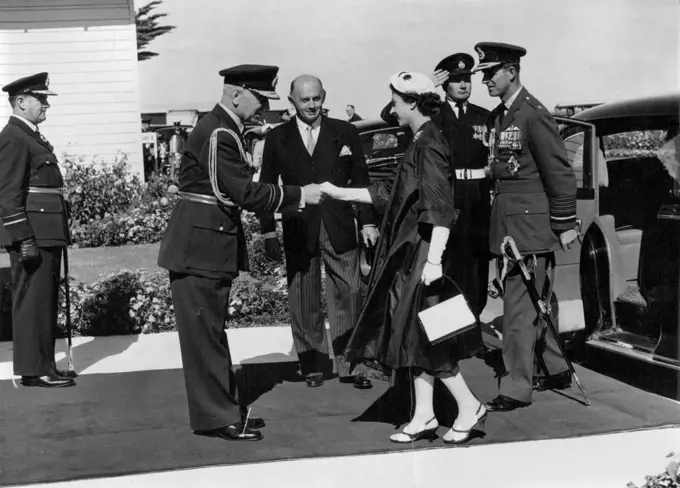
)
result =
(412, 83)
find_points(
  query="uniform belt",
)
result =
(200, 198)
(519, 186)
(51, 191)
(470, 174)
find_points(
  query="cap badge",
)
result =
(276, 80)
(461, 65)
(47, 82)
(481, 54)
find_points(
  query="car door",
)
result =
(580, 143)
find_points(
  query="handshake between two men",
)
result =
(314, 194)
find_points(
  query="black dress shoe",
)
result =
(559, 381)
(504, 403)
(314, 380)
(362, 383)
(254, 423)
(233, 432)
(66, 374)
(51, 381)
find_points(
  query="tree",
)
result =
(148, 28)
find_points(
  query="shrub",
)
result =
(139, 225)
(260, 264)
(94, 191)
(100, 309)
(253, 302)
(133, 302)
(111, 208)
(151, 307)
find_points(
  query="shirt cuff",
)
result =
(369, 225)
(302, 198)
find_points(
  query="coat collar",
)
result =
(17, 122)
(227, 119)
(509, 117)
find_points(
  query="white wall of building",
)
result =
(96, 114)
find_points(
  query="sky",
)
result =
(577, 50)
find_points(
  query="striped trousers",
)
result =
(343, 297)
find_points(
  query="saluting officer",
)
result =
(34, 230)
(535, 204)
(204, 245)
(463, 125)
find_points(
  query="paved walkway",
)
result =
(598, 461)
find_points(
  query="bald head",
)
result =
(307, 95)
(302, 80)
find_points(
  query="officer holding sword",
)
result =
(535, 204)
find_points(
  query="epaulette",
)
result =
(417, 135)
(534, 103)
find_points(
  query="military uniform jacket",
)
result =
(338, 158)
(535, 196)
(208, 240)
(465, 135)
(28, 160)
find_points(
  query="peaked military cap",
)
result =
(457, 64)
(494, 53)
(257, 78)
(37, 84)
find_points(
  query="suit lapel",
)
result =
(325, 141)
(293, 140)
(510, 116)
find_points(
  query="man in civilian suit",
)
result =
(463, 125)
(204, 245)
(34, 231)
(312, 148)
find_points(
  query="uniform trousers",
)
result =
(522, 334)
(200, 310)
(343, 297)
(35, 301)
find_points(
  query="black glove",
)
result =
(272, 249)
(29, 251)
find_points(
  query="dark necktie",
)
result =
(461, 110)
(501, 114)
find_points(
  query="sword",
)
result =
(69, 325)
(510, 252)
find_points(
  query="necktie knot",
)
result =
(459, 104)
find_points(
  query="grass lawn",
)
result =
(86, 265)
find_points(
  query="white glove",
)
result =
(432, 270)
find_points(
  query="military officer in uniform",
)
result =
(34, 231)
(535, 204)
(204, 245)
(463, 125)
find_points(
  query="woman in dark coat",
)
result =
(408, 269)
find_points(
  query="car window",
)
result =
(385, 143)
(384, 150)
(574, 147)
